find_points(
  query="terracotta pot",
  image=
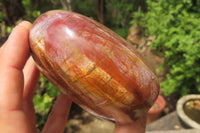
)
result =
(157, 108)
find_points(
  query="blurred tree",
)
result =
(66, 4)
(13, 10)
(139, 5)
(101, 11)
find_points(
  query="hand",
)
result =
(18, 80)
(127, 125)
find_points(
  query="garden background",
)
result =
(172, 28)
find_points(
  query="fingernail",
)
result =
(27, 25)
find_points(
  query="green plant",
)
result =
(43, 100)
(119, 11)
(176, 25)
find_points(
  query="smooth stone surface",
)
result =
(168, 122)
(176, 131)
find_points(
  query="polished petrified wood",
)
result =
(94, 65)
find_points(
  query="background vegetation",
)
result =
(175, 24)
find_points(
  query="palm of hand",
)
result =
(18, 82)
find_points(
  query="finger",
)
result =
(58, 116)
(17, 47)
(31, 76)
(13, 57)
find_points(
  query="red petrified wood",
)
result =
(94, 65)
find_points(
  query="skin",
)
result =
(19, 78)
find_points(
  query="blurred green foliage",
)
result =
(119, 15)
(176, 26)
(45, 95)
(87, 8)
